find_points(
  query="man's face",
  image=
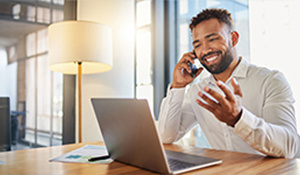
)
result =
(212, 45)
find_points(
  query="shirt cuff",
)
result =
(246, 124)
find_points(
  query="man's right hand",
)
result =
(181, 74)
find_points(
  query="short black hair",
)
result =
(222, 15)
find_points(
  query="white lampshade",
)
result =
(71, 42)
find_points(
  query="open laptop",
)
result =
(131, 137)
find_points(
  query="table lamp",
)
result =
(80, 47)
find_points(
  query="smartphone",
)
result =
(194, 67)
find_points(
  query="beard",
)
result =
(220, 67)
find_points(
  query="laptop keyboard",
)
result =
(178, 165)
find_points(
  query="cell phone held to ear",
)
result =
(194, 67)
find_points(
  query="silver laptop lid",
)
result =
(129, 133)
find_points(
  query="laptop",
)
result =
(131, 137)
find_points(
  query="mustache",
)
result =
(210, 53)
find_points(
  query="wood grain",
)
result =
(36, 161)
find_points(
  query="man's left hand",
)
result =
(226, 108)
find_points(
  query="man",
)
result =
(240, 107)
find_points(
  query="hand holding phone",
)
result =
(185, 72)
(194, 67)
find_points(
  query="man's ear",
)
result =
(234, 38)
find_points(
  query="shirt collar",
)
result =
(240, 71)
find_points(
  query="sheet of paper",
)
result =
(81, 155)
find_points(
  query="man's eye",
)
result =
(213, 39)
(198, 45)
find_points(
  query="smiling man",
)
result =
(240, 107)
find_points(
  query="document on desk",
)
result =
(81, 155)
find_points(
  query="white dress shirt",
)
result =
(267, 125)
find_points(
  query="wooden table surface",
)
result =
(36, 161)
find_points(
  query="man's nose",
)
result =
(205, 49)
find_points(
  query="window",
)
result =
(43, 91)
(144, 84)
(43, 103)
(273, 43)
(37, 105)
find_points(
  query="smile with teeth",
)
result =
(210, 59)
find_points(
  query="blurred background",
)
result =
(37, 106)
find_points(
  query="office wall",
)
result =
(274, 37)
(8, 79)
(119, 82)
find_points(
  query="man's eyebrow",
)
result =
(210, 35)
(207, 36)
(196, 41)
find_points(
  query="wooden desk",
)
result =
(36, 161)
